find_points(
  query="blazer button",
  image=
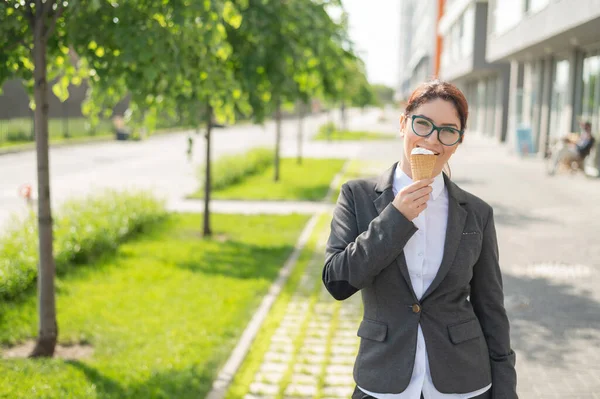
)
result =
(416, 308)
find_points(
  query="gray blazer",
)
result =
(462, 313)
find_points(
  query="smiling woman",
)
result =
(434, 107)
(424, 255)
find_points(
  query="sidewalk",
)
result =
(550, 256)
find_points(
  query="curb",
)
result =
(225, 376)
(227, 373)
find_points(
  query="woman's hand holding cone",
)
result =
(412, 200)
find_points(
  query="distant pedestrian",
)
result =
(190, 147)
(424, 256)
(572, 151)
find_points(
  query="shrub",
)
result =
(18, 136)
(84, 228)
(232, 169)
(327, 129)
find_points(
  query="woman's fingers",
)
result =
(412, 200)
(418, 185)
(418, 194)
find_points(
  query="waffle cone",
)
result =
(422, 166)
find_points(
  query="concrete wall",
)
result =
(559, 25)
(14, 102)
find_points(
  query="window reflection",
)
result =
(590, 104)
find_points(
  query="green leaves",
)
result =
(240, 56)
(231, 15)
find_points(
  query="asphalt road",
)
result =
(158, 163)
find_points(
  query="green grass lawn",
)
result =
(359, 170)
(347, 135)
(309, 181)
(163, 314)
(18, 130)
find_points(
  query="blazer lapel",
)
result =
(457, 217)
(385, 190)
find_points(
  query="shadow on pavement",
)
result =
(550, 321)
(467, 182)
(512, 216)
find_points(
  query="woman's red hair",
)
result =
(433, 89)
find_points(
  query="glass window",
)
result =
(590, 104)
(468, 37)
(559, 125)
(446, 53)
(519, 106)
(472, 99)
(491, 107)
(507, 14)
(481, 105)
(455, 55)
(530, 94)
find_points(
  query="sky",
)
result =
(375, 31)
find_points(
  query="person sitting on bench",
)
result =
(575, 151)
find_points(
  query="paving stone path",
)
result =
(313, 349)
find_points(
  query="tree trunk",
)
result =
(207, 180)
(48, 329)
(300, 132)
(343, 116)
(277, 138)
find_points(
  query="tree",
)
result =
(27, 29)
(276, 54)
(384, 94)
(187, 68)
(158, 52)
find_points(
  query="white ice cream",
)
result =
(421, 151)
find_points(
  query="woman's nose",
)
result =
(432, 138)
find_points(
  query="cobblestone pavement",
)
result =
(548, 230)
(312, 351)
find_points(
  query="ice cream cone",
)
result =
(422, 166)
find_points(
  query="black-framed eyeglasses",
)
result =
(423, 127)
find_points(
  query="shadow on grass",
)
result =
(193, 382)
(315, 193)
(240, 260)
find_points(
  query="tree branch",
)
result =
(55, 16)
(39, 7)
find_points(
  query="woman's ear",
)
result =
(402, 123)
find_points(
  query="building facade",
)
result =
(526, 66)
(464, 26)
(417, 43)
(406, 10)
(553, 47)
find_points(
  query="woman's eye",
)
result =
(449, 131)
